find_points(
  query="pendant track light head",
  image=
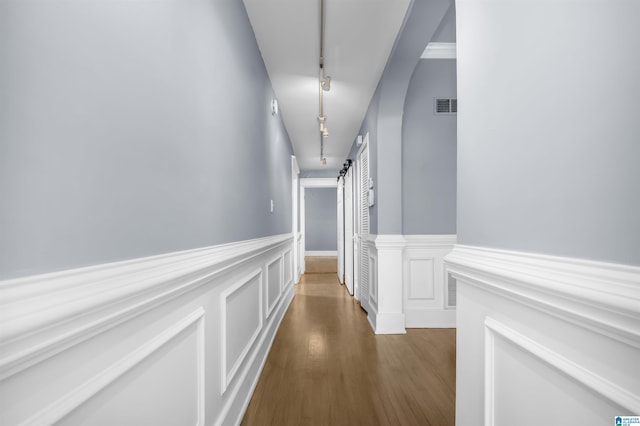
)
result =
(326, 83)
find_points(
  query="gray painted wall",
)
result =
(330, 173)
(420, 25)
(446, 32)
(130, 129)
(429, 151)
(384, 118)
(321, 219)
(548, 128)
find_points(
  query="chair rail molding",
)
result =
(83, 329)
(567, 330)
(602, 296)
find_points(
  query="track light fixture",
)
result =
(323, 86)
(345, 168)
(326, 83)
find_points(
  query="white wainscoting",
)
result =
(274, 283)
(385, 283)
(176, 339)
(543, 339)
(426, 285)
(408, 284)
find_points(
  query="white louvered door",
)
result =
(348, 230)
(363, 206)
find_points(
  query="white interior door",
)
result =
(341, 230)
(363, 207)
(348, 230)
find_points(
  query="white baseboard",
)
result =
(119, 315)
(393, 323)
(321, 253)
(567, 329)
(425, 318)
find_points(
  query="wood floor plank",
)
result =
(326, 367)
(321, 264)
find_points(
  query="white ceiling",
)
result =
(359, 35)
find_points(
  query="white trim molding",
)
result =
(435, 50)
(321, 253)
(309, 183)
(602, 296)
(385, 285)
(566, 329)
(426, 282)
(298, 242)
(229, 368)
(587, 378)
(408, 283)
(78, 396)
(102, 313)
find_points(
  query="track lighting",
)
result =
(345, 168)
(326, 83)
(323, 127)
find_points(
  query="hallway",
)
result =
(327, 367)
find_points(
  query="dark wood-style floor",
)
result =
(326, 367)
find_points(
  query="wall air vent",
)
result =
(445, 106)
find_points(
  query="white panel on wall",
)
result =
(70, 341)
(288, 271)
(274, 278)
(421, 279)
(241, 322)
(173, 360)
(562, 332)
(427, 293)
(522, 376)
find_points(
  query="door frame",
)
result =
(310, 183)
(295, 209)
